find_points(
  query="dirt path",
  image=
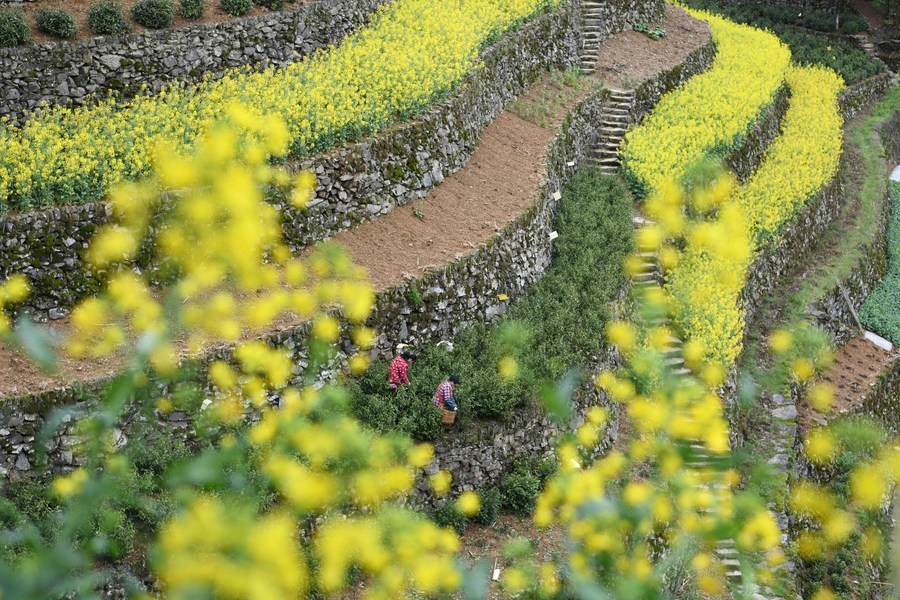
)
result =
(873, 17)
(499, 182)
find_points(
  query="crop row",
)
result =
(413, 52)
(711, 113)
(707, 118)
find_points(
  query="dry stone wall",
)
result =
(356, 182)
(452, 297)
(75, 72)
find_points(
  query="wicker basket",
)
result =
(448, 417)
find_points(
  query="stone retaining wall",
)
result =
(795, 240)
(452, 297)
(129, 64)
(743, 160)
(356, 182)
(854, 99)
(883, 400)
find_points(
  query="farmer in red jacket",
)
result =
(398, 373)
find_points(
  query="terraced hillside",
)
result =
(222, 276)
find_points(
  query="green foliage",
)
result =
(654, 33)
(446, 515)
(519, 491)
(270, 4)
(55, 21)
(890, 137)
(236, 8)
(491, 501)
(155, 14)
(13, 28)
(542, 468)
(807, 48)
(881, 310)
(106, 18)
(191, 9)
(550, 331)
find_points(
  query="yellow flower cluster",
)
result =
(707, 269)
(231, 273)
(687, 507)
(234, 275)
(709, 278)
(803, 159)
(413, 52)
(713, 110)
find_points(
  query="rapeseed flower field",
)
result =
(711, 112)
(413, 52)
(707, 118)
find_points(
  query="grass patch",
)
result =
(552, 329)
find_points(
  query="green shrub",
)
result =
(491, 502)
(270, 4)
(519, 491)
(191, 9)
(890, 137)
(551, 330)
(542, 468)
(55, 21)
(447, 516)
(154, 14)
(106, 18)
(881, 310)
(236, 8)
(13, 28)
(807, 48)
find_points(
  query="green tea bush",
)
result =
(154, 14)
(491, 501)
(519, 491)
(106, 18)
(551, 330)
(236, 8)
(13, 28)
(55, 21)
(191, 9)
(807, 48)
(881, 310)
(542, 468)
(890, 137)
(270, 4)
(447, 516)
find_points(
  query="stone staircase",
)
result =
(726, 550)
(592, 15)
(865, 43)
(614, 123)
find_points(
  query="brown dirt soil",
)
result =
(212, 13)
(857, 365)
(499, 182)
(617, 66)
(872, 15)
